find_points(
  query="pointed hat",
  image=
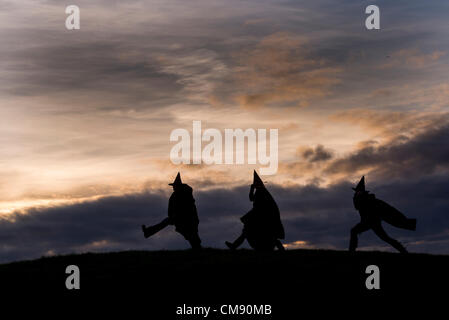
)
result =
(257, 181)
(177, 180)
(361, 185)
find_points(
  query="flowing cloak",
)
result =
(182, 211)
(262, 224)
(371, 208)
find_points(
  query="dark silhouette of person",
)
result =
(262, 226)
(182, 214)
(372, 212)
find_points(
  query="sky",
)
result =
(86, 117)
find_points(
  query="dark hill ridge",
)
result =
(166, 279)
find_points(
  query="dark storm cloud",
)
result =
(319, 153)
(126, 54)
(98, 68)
(426, 153)
(320, 216)
(162, 53)
(135, 57)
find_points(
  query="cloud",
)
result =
(413, 58)
(401, 158)
(401, 145)
(389, 124)
(281, 70)
(299, 244)
(88, 114)
(101, 74)
(198, 72)
(319, 153)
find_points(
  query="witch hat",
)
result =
(177, 181)
(257, 182)
(361, 185)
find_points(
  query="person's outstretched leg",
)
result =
(237, 243)
(149, 231)
(279, 245)
(385, 237)
(355, 231)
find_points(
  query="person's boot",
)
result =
(149, 231)
(279, 245)
(145, 233)
(399, 247)
(230, 245)
(195, 243)
(353, 242)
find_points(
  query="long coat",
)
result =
(182, 211)
(262, 224)
(372, 210)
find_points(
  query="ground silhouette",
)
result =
(290, 281)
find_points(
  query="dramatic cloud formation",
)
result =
(86, 115)
(314, 217)
(319, 153)
(279, 71)
(404, 157)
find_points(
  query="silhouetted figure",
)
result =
(372, 212)
(181, 213)
(262, 224)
